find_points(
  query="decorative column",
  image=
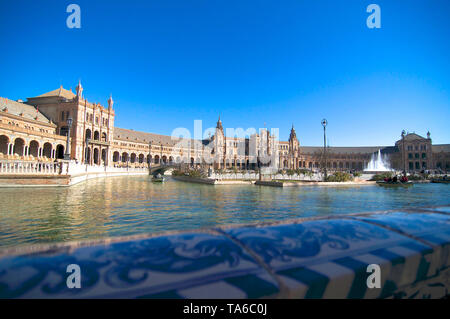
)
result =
(324, 124)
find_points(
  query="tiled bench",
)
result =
(306, 258)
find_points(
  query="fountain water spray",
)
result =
(377, 164)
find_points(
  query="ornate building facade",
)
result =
(37, 131)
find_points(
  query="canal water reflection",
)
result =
(133, 205)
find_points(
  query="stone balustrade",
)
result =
(325, 257)
(59, 168)
(22, 167)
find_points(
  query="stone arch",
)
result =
(4, 144)
(104, 155)
(124, 157)
(96, 135)
(34, 148)
(96, 156)
(19, 145)
(141, 158)
(156, 159)
(170, 160)
(133, 158)
(104, 138)
(60, 151)
(116, 156)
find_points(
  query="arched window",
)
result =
(88, 134)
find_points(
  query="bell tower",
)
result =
(293, 141)
(219, 144)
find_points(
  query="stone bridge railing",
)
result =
(304, 258)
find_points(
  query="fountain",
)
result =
(377, 164)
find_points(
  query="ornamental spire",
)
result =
(110, 102)
(79, 89)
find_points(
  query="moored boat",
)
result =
(394, 184)
(440, 180)
(158, 179)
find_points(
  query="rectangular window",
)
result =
(416, 155)
(410, 156)
(62, 116)
(424, 155)
(417, 165)
(411, 165)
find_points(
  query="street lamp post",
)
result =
(404, 154)
(149, 158)
(67, 153)
(87, 151)
(324, 124)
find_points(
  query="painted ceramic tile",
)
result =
(329, 258)
(156, 267)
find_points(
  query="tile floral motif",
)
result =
(329, 258)
(156, 267)
(300, 244)
(323, 258)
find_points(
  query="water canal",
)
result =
(121, 206)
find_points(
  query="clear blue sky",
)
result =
(170, 62)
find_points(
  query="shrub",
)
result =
(305, 172)
(197, 173)
(290, 172)
(177, 172)
(339, 177)
(382, 176)
(416, 177)
(357, 174)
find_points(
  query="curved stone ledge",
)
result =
(303, 258)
